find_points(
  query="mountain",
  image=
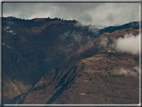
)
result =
(114, 28)
(57, 61)
(33, 47)
(89, 76)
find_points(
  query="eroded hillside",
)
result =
(33, 47)
(96, 73)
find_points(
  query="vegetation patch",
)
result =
(90, 79)
(89, 93)
(109, 63)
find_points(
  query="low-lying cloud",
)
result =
(75, 36)
(104, 42)
(127, 72)
(128, 44)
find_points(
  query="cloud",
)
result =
(104, 42)
(109, 14)
(129, 44)
(75, 36)
(104, 14)
(125, 72)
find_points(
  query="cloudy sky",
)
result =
(104, 14)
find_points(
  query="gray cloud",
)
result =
(105, 14)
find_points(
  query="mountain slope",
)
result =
(33, 47)
(90, 75)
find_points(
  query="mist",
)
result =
(127, 72)
(128, 44)
(104, 42)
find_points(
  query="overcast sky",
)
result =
(104, 14)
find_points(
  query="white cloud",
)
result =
(129, 44)
(125, 72)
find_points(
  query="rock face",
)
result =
(57, 62)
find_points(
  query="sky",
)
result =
(103, 14)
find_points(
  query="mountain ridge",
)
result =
(33, 50)
(67, 77)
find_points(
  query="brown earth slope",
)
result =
(33, 47)
(91, 75)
